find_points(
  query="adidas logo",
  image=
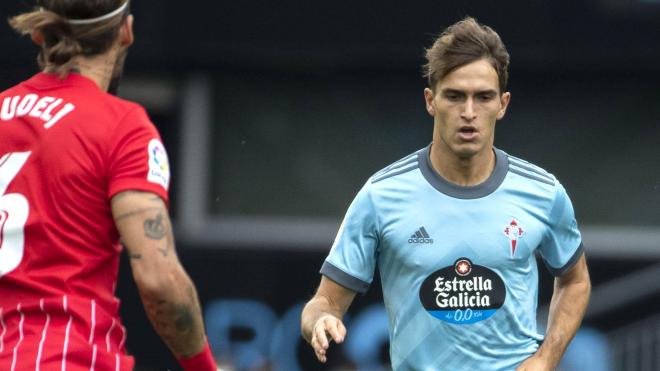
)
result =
(421, 236)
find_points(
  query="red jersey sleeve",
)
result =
(137, 158)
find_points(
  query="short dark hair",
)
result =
(462, 43)
(63, 40)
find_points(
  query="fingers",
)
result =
(319, 351)
(336, 330)
(320, 334)
(326, 326)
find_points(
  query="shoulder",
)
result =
(535, 182)
(530, 173)
(397, 168)
(125, 116)
(123, 108)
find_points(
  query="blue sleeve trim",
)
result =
(571, 262)
(343, 278)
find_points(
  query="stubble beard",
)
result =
(117, 72)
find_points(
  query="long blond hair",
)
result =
(62, 40)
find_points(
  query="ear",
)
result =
(428, 98)
(37, 37)
(126, 36)
(504, 101)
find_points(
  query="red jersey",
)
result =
(67, 147)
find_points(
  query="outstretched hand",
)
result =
(326, 328)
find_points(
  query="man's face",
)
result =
(465, 106)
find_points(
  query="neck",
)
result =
(98, 68)
(462, 171)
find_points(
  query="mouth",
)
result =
(467, 132)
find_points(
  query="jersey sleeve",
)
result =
(138, 160)
(562, 245)
(352, 259)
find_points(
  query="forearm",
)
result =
(567, 308)
(175, 314)
(168, 295)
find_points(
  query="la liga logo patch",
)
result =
(462, 293)
(159, 166)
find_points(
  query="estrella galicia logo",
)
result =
(420, 236)
(463, 293)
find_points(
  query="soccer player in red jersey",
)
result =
(81, 169)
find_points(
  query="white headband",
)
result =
(99, 19)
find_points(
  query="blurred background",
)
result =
(276, 113)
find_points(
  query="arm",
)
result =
(322, 316)
(567, 306)
(168, 295)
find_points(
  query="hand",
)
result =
(324, 326)
(535, 363)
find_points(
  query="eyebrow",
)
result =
(457, 91)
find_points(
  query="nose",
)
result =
(468, 113)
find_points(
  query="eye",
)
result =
(453, 97)
(485, 97)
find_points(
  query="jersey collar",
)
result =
(44, 81)
(464, 192)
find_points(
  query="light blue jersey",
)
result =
(457, 263)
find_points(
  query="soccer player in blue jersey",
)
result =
(454, 229)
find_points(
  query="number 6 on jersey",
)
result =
(14, 209)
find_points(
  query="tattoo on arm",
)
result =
(134, 256)
(178, 323)
(165, 250)
(155, 228)
(136, 212)
(184, 317)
